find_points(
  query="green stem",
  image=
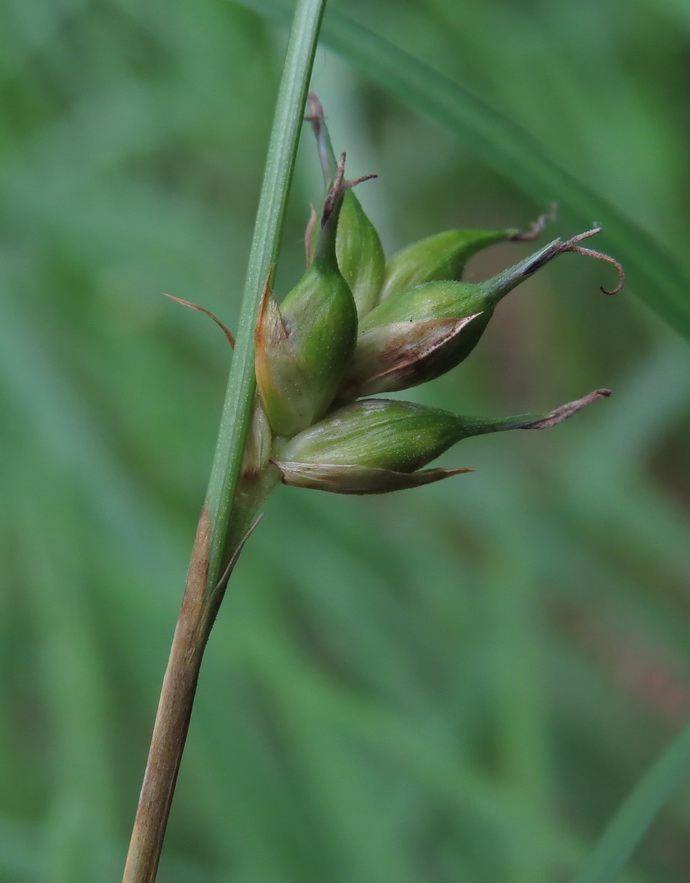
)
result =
(282, 149)
(220, 534)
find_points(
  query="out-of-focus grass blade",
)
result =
(654, 274)
(70, 434)
(633, 819)
(20, 858)
(423, 752)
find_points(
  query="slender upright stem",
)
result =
(172, 719)
(282, 149)
(213, 548)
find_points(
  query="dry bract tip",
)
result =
(568, 410)
(537, 227)
(572, 245)
(315, 114)
(187, 303)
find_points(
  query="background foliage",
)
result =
(456, 683)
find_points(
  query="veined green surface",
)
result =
(455, 683)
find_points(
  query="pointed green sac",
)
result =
(360, 254)
(358, 247)
(438, 257)
(422, 332)
(374, 446)
(386, 434)
(303, 350)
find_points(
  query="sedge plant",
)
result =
(304, 404)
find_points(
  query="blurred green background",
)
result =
(456, 683)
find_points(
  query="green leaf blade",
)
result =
(637, 813)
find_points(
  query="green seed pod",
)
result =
(442, 256)
(360, 254)
(358, 247)
(380, 433)
(399, 355)
(419, 334)
(375, 445)
(304, 347)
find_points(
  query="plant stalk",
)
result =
(219, 538)
(172, 718)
